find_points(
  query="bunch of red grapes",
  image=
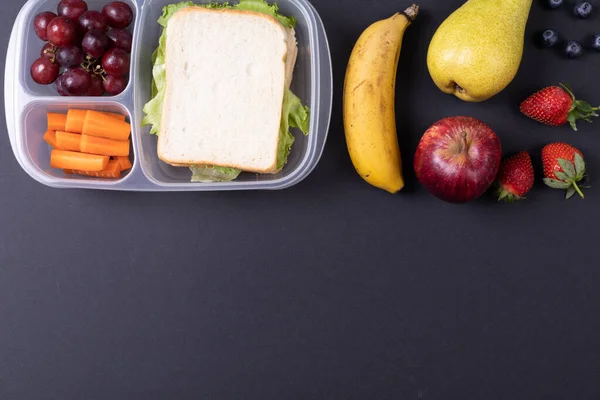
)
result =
(87, 53)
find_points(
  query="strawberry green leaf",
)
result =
(561, 176)
(556, 184)
(567, 167)
(570, 192)
(579, 165)
(584, 107)
(579, 109)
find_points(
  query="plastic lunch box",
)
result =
(27, 104)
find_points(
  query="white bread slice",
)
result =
(226, 76)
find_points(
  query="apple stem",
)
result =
(465, 144)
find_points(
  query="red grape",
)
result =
(40, 24)
(95, 43)
(44, 71)
(120, 38)
(49, 52)
(72, 9)
(96, 86)
(76, 82)
(59, 86)
(90, 20)
(116, 62)
(69, 56)
(118, 14)
(61, 31)
(115, 85)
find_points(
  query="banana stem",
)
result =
(411, 12)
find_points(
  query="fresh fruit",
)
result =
(91, 20)
(118, 14)
(59, 86)
(69, 56)
(573, 49)
(44, 71)
(116, 62)
(515, 177)
(95, 43)
(556, 106)
(96, 87)
(554, 3)
(120, 38)
(72, 9)
(549, 38)
(40, 24)
(61, 31)
(564, 168)
(458, 158)
(369, 109)
(596, 42)
(476, 52)
(49, 52)
(114, 85)
(582, 9)
(76, 82)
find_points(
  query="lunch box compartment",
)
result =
(37, 152)
(32, 44)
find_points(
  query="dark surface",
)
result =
(331, 289)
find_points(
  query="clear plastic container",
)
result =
(27, 104)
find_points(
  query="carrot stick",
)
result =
(78, 161)
(68, 141)
(75, 121)
(57, 122)
(98, 124)
(125, 162)
(50, 138)
(104, 146)
(113, 170)
(120, 117)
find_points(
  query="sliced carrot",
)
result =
(120, 117)
(98, 124)
(50, 138)
(68, 141)
(75, 120)
(64, 159)
(125, 162)
(57, 122)
(113, 170)
(104, 146)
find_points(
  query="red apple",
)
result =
(458, 159)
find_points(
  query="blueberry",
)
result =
(596, 42)
(583, 9)
(573, 49)
(549, 38)
(555, 3)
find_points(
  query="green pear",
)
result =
(476, 52)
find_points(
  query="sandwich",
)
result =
(221, 101)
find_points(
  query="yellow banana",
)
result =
(369, 110)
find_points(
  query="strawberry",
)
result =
(564, 168)
(556, 106)
(515, 177)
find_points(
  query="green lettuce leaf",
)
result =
(263, 7)
(204, 173)
(294, 113)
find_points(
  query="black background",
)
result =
(330, 289)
